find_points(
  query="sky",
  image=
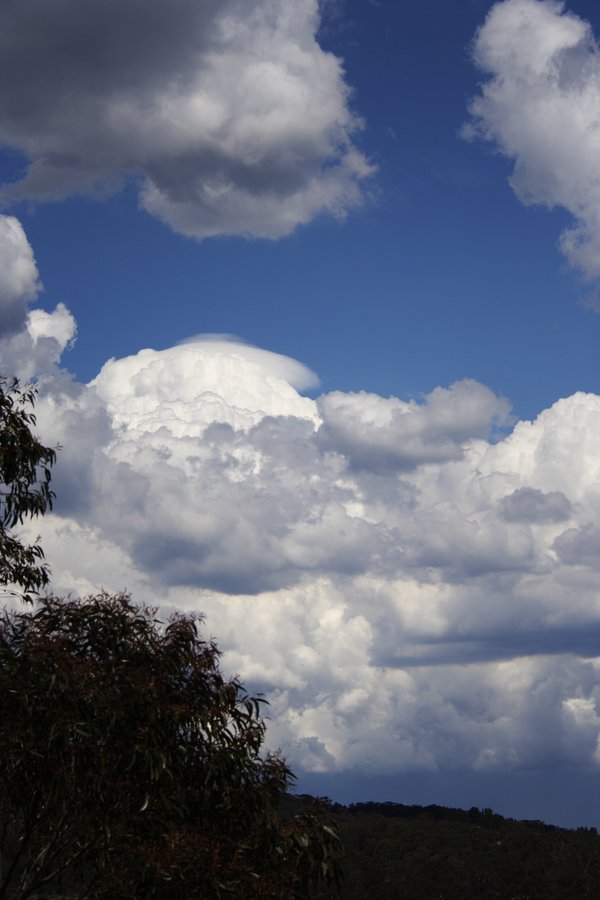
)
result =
(311, 295)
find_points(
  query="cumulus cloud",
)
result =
(32, 341)
(539, 107)
(37, 347)
(230, 116)
(532, 505)
(377, 432)
(431, 607)
(231, 382)
(410, 592)
(579, 546)
(19, 282)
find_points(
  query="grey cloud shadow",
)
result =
(532, 505)
(582, 640)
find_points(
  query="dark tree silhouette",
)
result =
(130, 767)
(24, 487)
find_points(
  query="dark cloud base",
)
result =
(581, 641)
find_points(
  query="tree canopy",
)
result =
(25, 474)
(131, 767)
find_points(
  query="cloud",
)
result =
(539, 107)
(202, 381)
(388, 433)
(531, 505)
(229, 115)
(19, 282)
(579, 546)
(31, 341)
(413, 591)
(38, 346)
(435, 611)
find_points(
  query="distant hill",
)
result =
(432, 852)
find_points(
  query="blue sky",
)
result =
(411, 543)
(442, 275)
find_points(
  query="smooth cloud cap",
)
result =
(204, 381)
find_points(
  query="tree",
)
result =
(24, 487)
(131, 767)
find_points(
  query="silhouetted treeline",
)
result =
(395, 851)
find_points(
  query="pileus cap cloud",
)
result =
(203, 381)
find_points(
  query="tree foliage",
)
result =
(424, 852)
(131, 767)
(25, 475)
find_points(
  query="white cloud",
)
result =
(31, 341)
(230, 114)
(19, 282)
(202, 381)
(377, 432)
(58, 326)
(38, 347)
(430, 613)
(539, 106)
(425, 597)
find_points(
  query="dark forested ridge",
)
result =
(395, 851)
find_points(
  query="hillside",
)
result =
(394, 851)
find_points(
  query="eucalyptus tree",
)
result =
(130, 766)
(25, 474)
